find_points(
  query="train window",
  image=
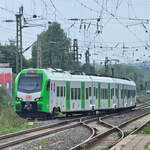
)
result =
(102, 93)
(96, 92)
(58, 91)
(30, 83)
(79, 93)
(106, 94)
(128, 95)
(122, 93)
(126, 91)
(112, 93)
(76, 92)
(87, 93)
(90, 91)
(134, 93)
(117, 92)
(61, 93)
(48, 86)
(72, 93)
(64, 91)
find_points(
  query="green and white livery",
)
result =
(53, 90)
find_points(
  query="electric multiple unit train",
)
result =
(50, 91)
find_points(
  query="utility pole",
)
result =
(106, 64)
(19, 39)
(39, 52)
(21, 23)
(87, 56)
(75, 50)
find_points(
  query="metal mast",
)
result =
(19, 39)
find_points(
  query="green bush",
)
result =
(145, 130)
(9, 120)
(5, 99)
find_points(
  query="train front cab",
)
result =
(31, 93)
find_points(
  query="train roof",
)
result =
(58, 74)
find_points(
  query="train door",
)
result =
(112, 96)
(62, 95)
(125, 95)
(128, 96)
(117, 95)
(104, 95)
(88, 96)
(94, 103)
(120, 95)
(75, 96)
(52, 95)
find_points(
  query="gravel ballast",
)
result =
(59, 141)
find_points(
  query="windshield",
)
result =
(29, 83)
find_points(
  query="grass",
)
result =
(60, 114)
(147, 146)
(145, 130)
(9, 120)
(126, 133)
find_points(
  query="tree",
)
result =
(87, 68)
(129, 72)
(8, 55)
(55, 48)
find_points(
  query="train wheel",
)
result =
(55, 111)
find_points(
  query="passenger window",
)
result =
(96, 92)
(61, 91)
(102, 93)
(87, 93)
(90, 91)
(117, 92)
(112, 93)
(57, 91)
(72, 93)
(106, 93)
(76, 93)
(79, 93)
(48, 85)
(64, 91)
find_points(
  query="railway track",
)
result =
(27, 135)
(99, 127)
(114, 124)
(13, 139)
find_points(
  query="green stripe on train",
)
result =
(99, 95)
(67, 95)
(83, 95)
(108, 94)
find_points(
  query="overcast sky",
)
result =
(123, 35)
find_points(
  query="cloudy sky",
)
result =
(121, 33)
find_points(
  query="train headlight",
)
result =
(19, 99)
(38, 99)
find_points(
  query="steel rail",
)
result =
(38, 129)
(32, 137)
(96, 138)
